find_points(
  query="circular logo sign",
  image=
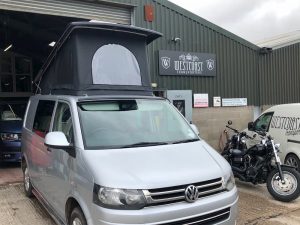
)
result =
(191, 193)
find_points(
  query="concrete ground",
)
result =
(10, 173)
(256, 206)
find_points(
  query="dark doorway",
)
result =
(25, 43)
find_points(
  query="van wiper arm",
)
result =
(144, 144)
(186, 141)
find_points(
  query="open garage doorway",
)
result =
(26, 39)
(28, 32)
(30, 29)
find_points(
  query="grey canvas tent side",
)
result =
(95, 58)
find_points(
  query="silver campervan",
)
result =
(99, 149)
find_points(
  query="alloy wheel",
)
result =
(26, 179)
(76, 221)
(287, 187)
(291, 161)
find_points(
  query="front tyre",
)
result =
(27, 183)
(287, 191)
(77, 217)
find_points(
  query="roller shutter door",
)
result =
(72, 8)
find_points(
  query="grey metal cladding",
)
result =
(241, 71)
(236, 71)
(280, 76)
(97, 10)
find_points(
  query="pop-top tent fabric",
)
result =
(94, 58)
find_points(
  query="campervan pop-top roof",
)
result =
(95, 58)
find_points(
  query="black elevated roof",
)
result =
(68, 69)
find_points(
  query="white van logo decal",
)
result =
(290, 124)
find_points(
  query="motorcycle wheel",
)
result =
(288, 191)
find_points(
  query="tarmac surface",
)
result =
(10, 173)
(256, 206)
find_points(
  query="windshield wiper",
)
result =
(144, 144)
(186, 141)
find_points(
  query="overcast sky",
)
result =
(253, 20)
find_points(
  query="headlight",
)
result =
(229, 182)
(10, 137)
(115, 198)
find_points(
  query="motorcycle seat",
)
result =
(237, 152)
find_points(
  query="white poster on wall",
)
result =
(217, 101)
(234, 102)
(200, 100)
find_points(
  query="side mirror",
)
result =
(251, 126)
(263, 127)
(195, 129)
(58, 140)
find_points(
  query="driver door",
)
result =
(63, 163)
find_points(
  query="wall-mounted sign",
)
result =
(200, 100)
(187, 63)
(234, 102)
(217, 101)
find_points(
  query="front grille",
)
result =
(7, 156)
(169, 195)
(211, 218)
(10, 150)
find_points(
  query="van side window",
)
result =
(263, 122)
(42, 118)
(63, 121)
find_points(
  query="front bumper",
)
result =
(10, 152)
(10, 156)
(177, 213)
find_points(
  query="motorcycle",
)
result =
(260, 164)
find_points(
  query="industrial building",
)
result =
(194, 55)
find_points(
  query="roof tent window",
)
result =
(115, 65)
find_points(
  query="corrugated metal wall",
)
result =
(236, 58)
(280, 76)
(241, 71)
(76, 9)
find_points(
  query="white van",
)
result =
(122, 160)
(282, 122)
(100, 149)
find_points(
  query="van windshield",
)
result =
(132, 123)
